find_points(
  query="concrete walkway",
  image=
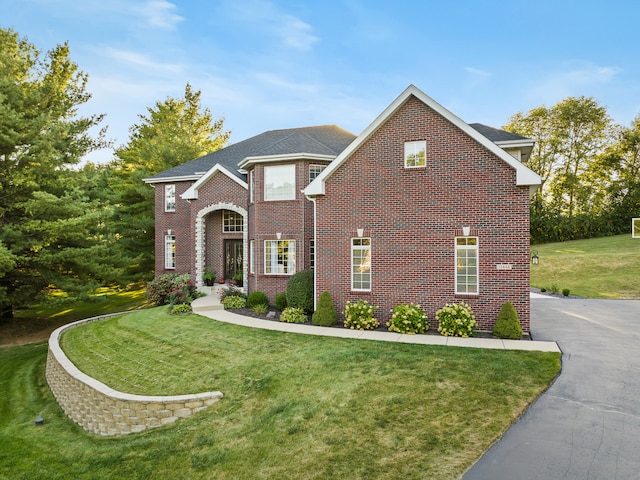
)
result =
(210, 306)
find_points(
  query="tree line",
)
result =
(69, 227)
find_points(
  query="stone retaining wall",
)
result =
(105, 411)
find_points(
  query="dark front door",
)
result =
(232, 258)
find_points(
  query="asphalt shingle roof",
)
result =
(495, 134)
(322, 140)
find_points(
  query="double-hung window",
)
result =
(279, 257)
(361, 264)
(170, 251)
(467, 274)
(169, 198)
(415, 154)
(280, 182)
(314, 171)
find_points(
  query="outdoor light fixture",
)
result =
(279, 235)
(360, 232)
(466, 231)
(534, 258)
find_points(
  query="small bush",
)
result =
(565, 292)
(180, 309)
(257, 298)
(159, 288)
(231, 291)
(233, 302)
(293, 315)
(408, 319)
(280, 301)
(182, 292)
(456, 320)
(360, 316)
(325, 315)
(300, 290)
(543, 289)
(507, 325)
(260, 308)
(554, 288)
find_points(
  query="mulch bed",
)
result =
(248, 312)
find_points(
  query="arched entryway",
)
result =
(221, 241)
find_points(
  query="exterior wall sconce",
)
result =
(534, 258)
(466, 231)
(169, 232)
(279, 235)
(360, 232)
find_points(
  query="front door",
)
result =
(233, 258)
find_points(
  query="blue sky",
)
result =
(270, 64)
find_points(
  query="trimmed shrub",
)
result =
(180, 309)
(233, 302)
(507, 325)
(257, 298)
(360, 316)
(280, 301)
(300, 290)
(260, 308)
(408, 319)
(293, 315)
(565, 292)
(182, 292)
(456, 320)
(325, 315)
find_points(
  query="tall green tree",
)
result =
(173, 132)
(46, 223)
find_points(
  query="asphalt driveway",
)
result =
(587, 425)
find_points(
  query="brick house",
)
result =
(421, 207)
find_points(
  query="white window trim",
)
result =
(361, 247)
(252, 257)
(314, 166)
(169, 207)
(291, 195)
(412, 146)
(170, 252)
(291, 257)
(467, 247)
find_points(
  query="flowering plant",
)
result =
(182, 292)
(360, 316)
(293, 315)
(408, 319)
(456, 320)
(233, 302)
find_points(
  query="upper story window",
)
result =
(169, 198)
(467, 274)
(415, 154)
(280, 182)
(232, 221)
(361, 264)
(252, 185)
(314, 171)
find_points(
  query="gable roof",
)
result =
(524, 176)
(325, 142)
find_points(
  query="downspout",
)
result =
(315, 250)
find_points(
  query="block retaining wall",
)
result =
(102, 410)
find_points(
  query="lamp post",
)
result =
(534, 258)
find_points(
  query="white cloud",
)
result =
(573, 81)
(141, 61)
(159, 14)
(477, 74)
(264, 16)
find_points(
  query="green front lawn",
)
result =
(295, 406)
(595, 268)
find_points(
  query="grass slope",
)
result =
(295, 406)
(594, 268)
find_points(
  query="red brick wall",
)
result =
(179, 223)
(292, 218)
(413, 215)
